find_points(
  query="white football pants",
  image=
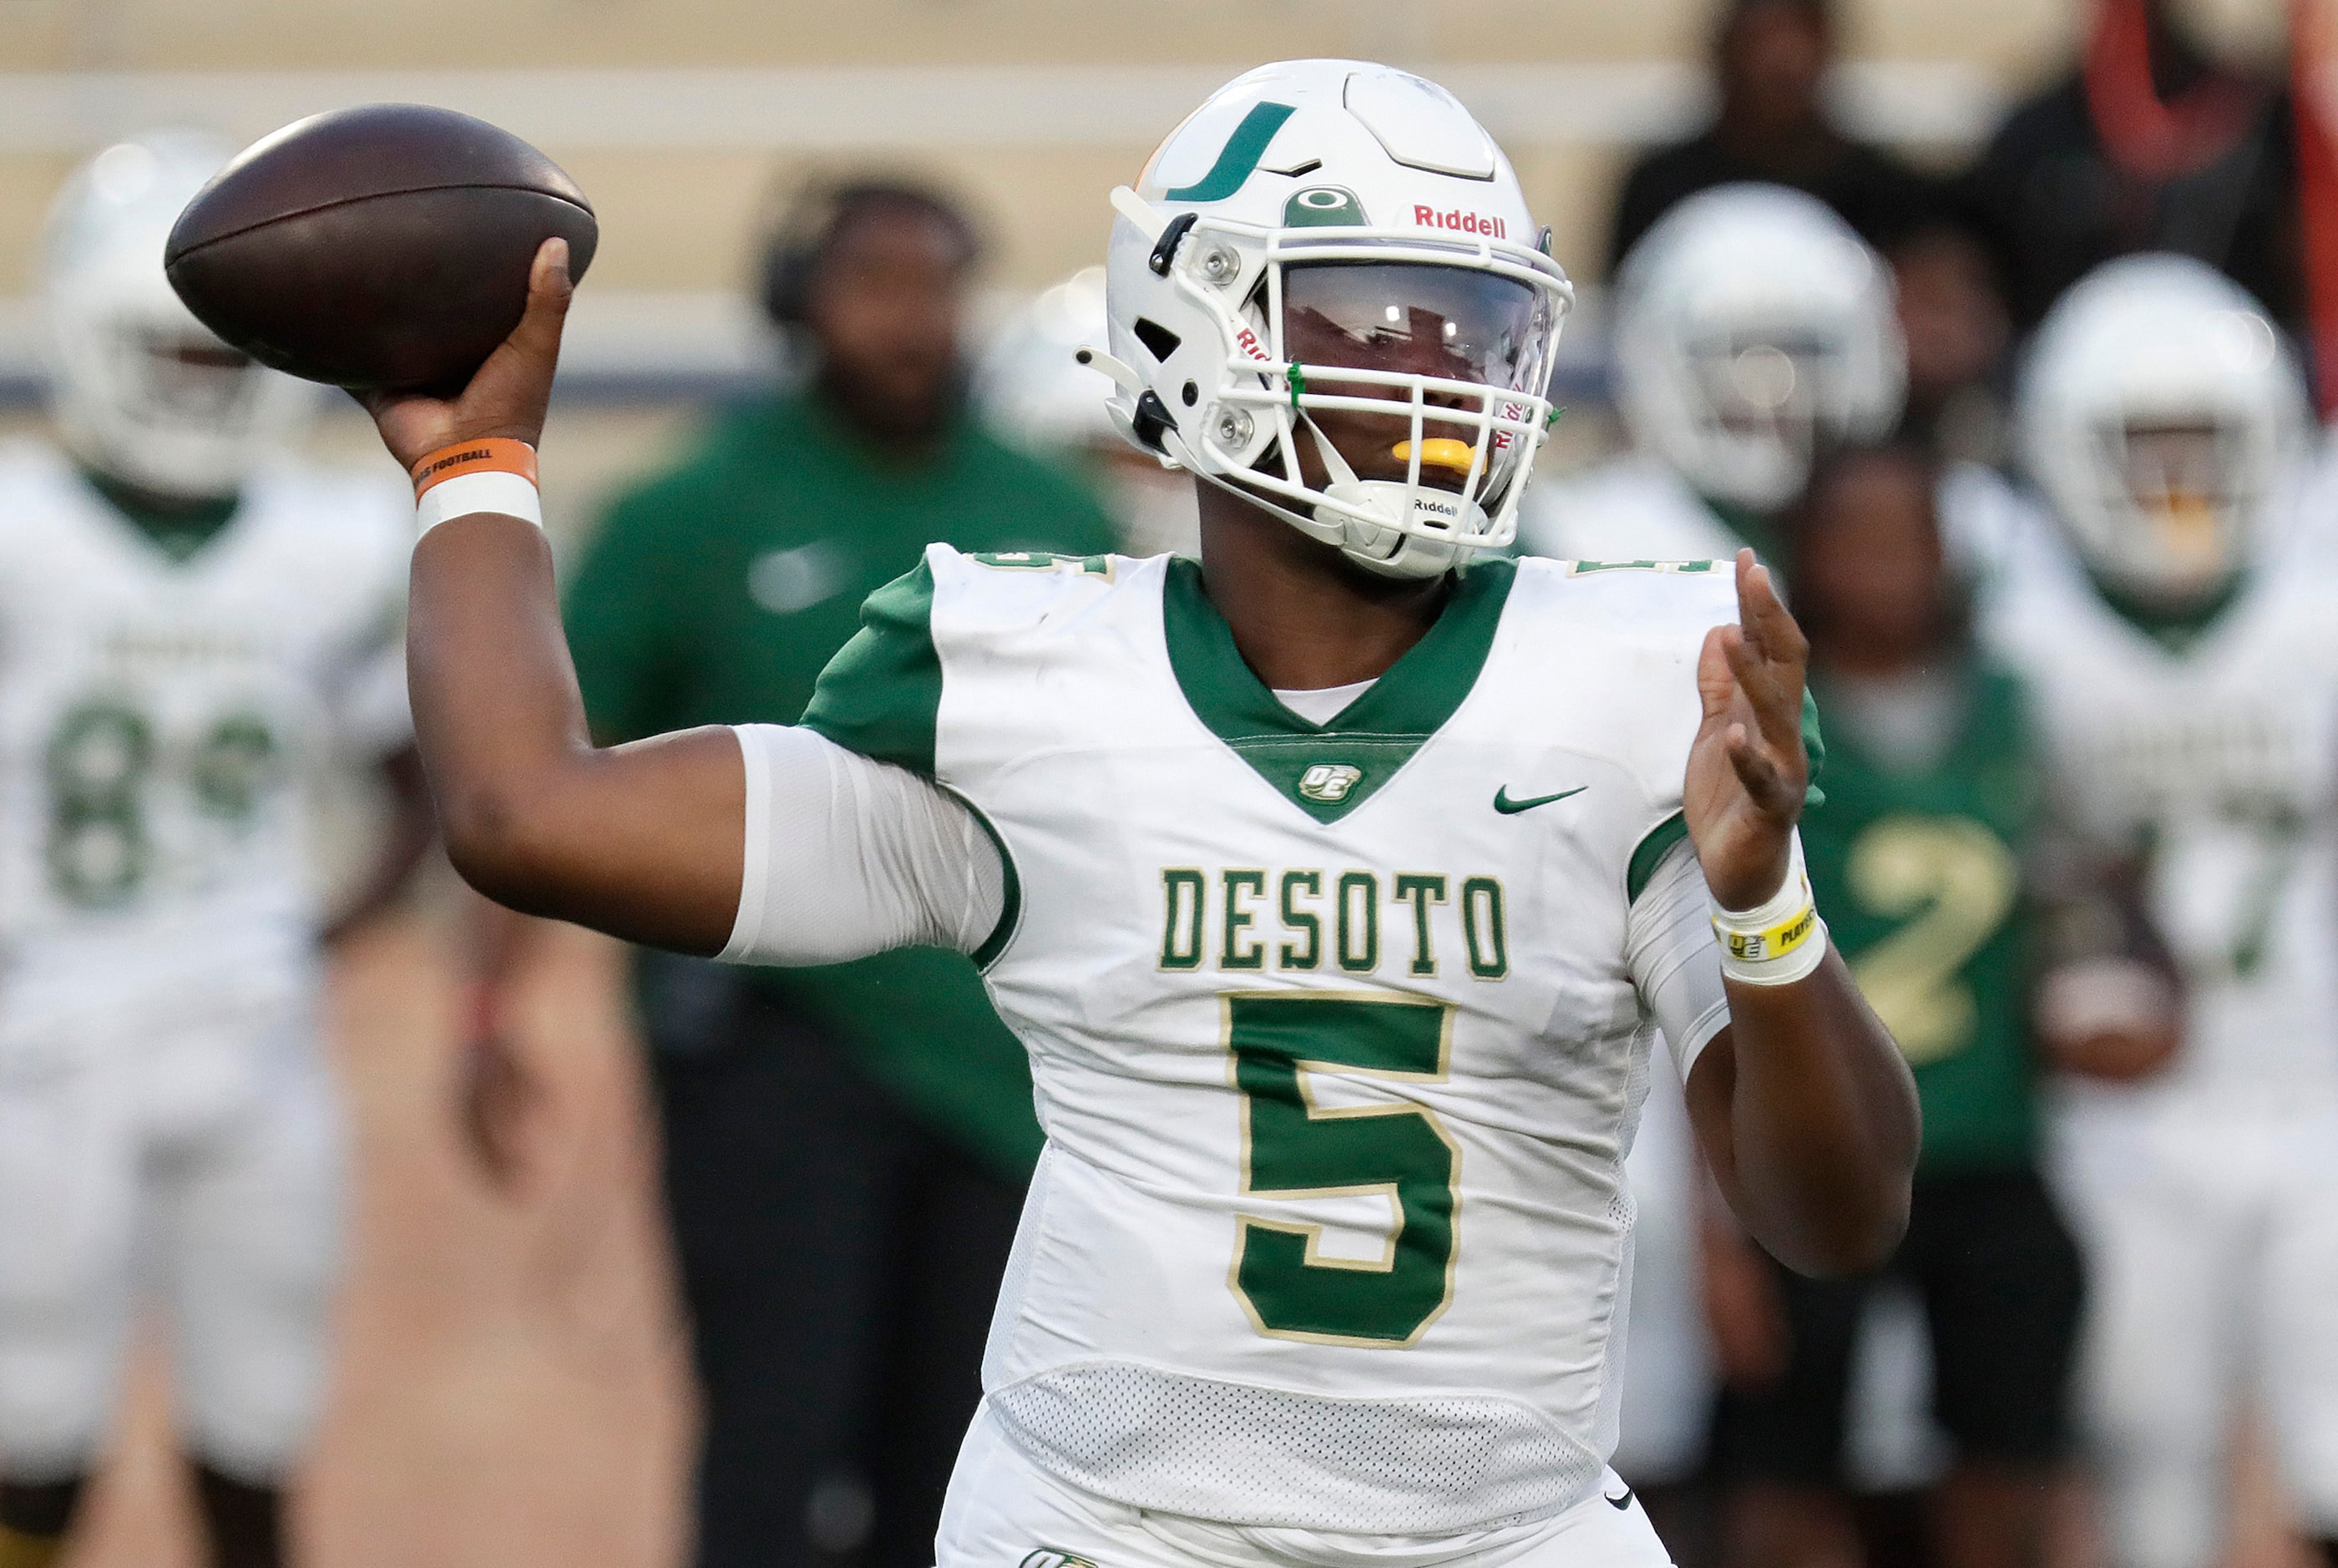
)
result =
(1005, 1512)
(205, 1168)
(2211, 1238)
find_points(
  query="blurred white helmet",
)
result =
(1752, 327)
(1034, 390)
(1030, 383)
(140, 389)
(1327, 242)
(2158, 409)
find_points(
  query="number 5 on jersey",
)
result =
(1293, 1148)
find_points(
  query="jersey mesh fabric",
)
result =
(1212, 1450)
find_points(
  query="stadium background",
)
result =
(511, 1389)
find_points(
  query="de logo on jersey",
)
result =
(1329, 781)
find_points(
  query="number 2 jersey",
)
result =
(157, 719)
(1339, 1031)
(2215, 759)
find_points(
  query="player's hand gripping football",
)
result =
(1747, 769)
(506, 395)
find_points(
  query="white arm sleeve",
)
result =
(1674, 958)
(847, 856)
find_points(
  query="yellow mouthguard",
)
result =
(1438, 452)
(2187, 524)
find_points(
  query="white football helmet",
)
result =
(2158, 410)
(1754, 326)
(1327, 242)
(139, 387)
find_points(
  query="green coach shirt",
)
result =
(1919, 875)
(715, 593)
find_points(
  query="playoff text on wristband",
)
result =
(492, 473)
(1778, 941)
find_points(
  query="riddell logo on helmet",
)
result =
(1250, 344)
(1463, 222)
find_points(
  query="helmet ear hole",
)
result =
(1158, 340)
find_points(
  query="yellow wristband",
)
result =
(1773, 942)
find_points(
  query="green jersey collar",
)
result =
(1329, 770)
(2178, 630)
(179, 532)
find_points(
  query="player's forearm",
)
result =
(496, 712)
(644, 841)
(496, 706)
(1814, 1117)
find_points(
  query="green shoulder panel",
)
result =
(881, 695)
(1650, 850)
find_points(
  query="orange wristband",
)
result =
(488, 454)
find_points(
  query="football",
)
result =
(380, 246)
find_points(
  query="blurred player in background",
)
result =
(1033, 390)
(1752, 328)
(845, 1149)
(1921, 852)
(189, 627)
(2179, 635)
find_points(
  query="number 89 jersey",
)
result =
(156, 718)
(1335, 1034)
(2217, 761)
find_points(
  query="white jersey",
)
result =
(1339, 1031)
(2220, 763)
(156, 716)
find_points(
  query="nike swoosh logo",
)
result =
(1510, 807)
(1623, 1501)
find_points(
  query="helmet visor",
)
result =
(1761, 385)
(1446, 349)
(1450, 323)
(187, 379)
(2182, 484)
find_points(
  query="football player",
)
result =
(191, 632)
(1338, 882)
(2178, 639)
(1752, 328)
